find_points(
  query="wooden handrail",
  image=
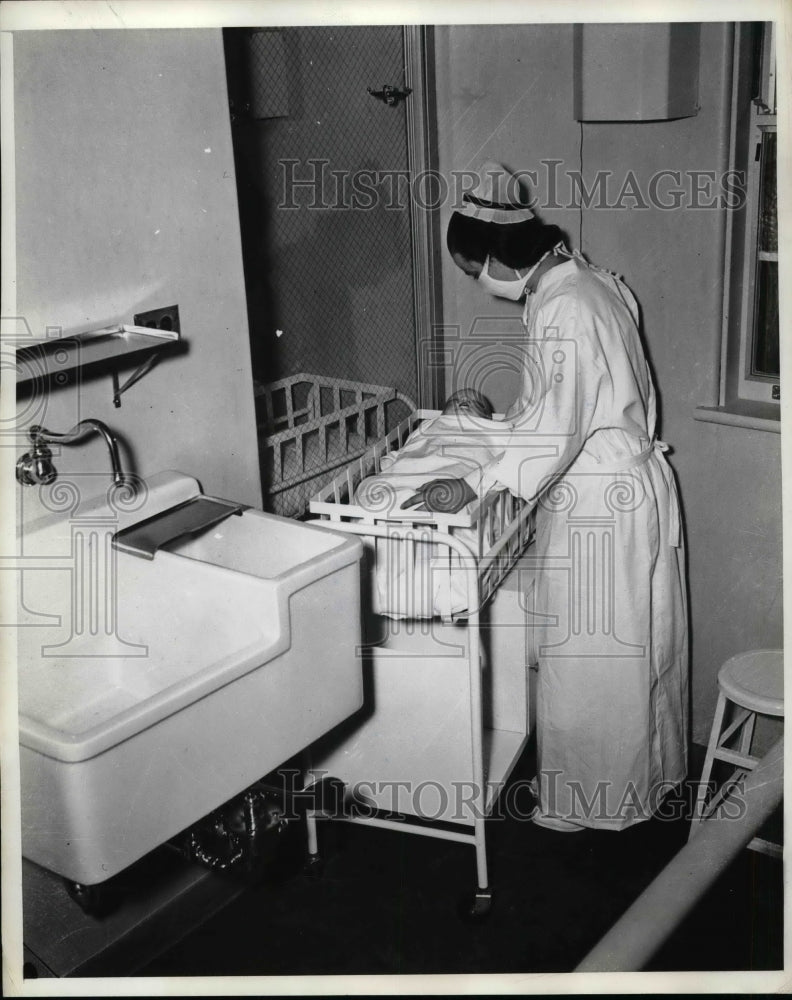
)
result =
(659, 910)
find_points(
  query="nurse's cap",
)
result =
(496, 197)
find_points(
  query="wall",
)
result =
(504, 93)
(730, 478)
(126, 200)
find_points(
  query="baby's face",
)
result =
(466, 402)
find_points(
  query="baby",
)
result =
(457, 444)
(468, 401)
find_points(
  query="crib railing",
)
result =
(340, 491)
(502, 524)
(310, 425)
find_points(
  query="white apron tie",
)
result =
(658, 448)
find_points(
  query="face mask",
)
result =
(512, 289)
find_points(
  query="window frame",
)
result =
(752, 115)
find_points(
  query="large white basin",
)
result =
(151, 691)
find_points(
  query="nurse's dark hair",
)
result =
(519, 244)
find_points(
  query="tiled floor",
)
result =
(386, 904)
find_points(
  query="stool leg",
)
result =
(746, 737)
(741, 716)
(701, 796)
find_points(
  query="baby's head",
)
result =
(469, 402)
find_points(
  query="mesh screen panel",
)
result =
(266, 67)
(328, 274)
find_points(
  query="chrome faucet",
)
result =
(35, 467)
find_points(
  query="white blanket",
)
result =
(423, 580)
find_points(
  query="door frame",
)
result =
(422, 157)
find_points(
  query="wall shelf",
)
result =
(40, 360)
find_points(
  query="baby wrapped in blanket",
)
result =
(414, 581)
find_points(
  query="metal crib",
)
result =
(432, 721)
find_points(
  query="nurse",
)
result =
(610, 615)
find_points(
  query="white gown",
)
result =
(610, 611)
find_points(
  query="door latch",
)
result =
(390, 95)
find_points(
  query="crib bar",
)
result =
(278, 462)
(350, 484)
(514, 528)
(380, 449)
(289, 394)
(331, 417)
(313, 403)
(344, 428)
(406, 827)
(380, 420)
(266, 399)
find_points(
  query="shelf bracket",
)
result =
(136, 375)
(109, 347)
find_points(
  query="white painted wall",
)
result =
(504, 93)
(730, 477)
(507, 95)
(126, 200)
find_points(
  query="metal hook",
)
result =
(390, 95)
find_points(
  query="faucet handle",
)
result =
(36, 467)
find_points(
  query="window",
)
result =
(750, 370)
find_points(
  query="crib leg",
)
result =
(314, 863)
(480, 908)
(313, 840)
(481, 855)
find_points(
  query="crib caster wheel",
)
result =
(314, 866)
(479, 909)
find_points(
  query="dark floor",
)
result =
(387, 904)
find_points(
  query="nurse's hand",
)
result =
(444, 496)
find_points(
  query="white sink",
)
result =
(151, 691)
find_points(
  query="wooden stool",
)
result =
(754, 683)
